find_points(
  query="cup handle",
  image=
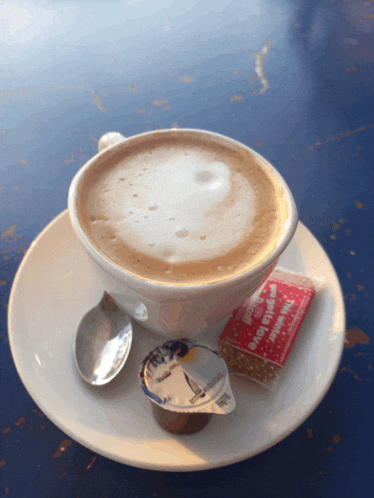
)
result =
(110, 138)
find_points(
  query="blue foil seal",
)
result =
(186, 376)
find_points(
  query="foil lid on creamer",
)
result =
(185, 376)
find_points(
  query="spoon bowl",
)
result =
(103, 342)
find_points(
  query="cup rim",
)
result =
(133, 280)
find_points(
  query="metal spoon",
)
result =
(103, 342)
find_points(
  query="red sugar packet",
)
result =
(260, 334)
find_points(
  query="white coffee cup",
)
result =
(168, 309)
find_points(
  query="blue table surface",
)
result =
(73, 70)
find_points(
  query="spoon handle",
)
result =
(108, 303)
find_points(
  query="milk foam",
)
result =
(180, 210)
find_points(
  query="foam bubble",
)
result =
(181, 232)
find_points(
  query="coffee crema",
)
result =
(181, 208)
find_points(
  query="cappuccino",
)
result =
(181, 208)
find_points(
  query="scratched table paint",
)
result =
(292, 79)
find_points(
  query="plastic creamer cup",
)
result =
(186, 382)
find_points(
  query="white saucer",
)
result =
(55, 286)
